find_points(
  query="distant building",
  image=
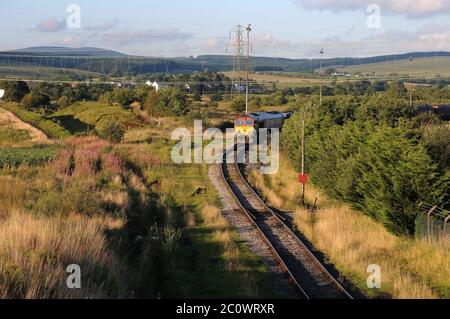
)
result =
(126, 85)
(157, 86)
(153, 84)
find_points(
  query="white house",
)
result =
(154, 84)
(2, 93)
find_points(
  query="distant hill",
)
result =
(109, 62)
(421, 67)
(309, 65)
(64, 51)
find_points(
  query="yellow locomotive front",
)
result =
(244, 125)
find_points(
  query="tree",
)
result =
(396, 89)
(151, 102)
(238, 104)
(124, 97)
(107, 98)
(112, 131)
(35, 100)
(65, 101)
(396, 175)
(172, 101)
(15, 91)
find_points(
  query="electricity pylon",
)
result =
(238, 45)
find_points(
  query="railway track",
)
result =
(305, 272)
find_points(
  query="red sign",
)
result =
(303, 178)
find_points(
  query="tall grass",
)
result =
(35, 252)
(410, 268)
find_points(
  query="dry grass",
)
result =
(352, 241)
(34, 254)
(35, 249)
(11, 194)
(9, 119)
(213, 216)
(281, 190)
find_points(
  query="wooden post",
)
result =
(429, 214)
(303, 157)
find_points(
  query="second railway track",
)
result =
(306, 273)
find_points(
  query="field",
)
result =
(83, 117)
(138, 225)
(422, 67)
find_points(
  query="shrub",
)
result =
(35, 100)
(216, 98)
(238, 104)
(172, 101)
(112, 131)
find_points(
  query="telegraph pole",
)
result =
(249, 29)
(303, 156)
(321, 76)
(410, 83)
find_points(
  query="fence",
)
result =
(433, 223)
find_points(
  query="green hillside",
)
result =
(430, 66)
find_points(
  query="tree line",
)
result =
(375, 153)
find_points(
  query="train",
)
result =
(249, 123)
(442, 111)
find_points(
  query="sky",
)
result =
(280, 28)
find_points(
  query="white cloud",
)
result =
(51, 25)
(104, 27)
(409, 8)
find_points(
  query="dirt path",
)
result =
(36, 135)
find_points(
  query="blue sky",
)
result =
(284, 28)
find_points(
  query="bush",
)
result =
(172, 101)
(238, 104)
(111, 131)
(197, 97)
(35, 100)
(216, 98)
(124, 97)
